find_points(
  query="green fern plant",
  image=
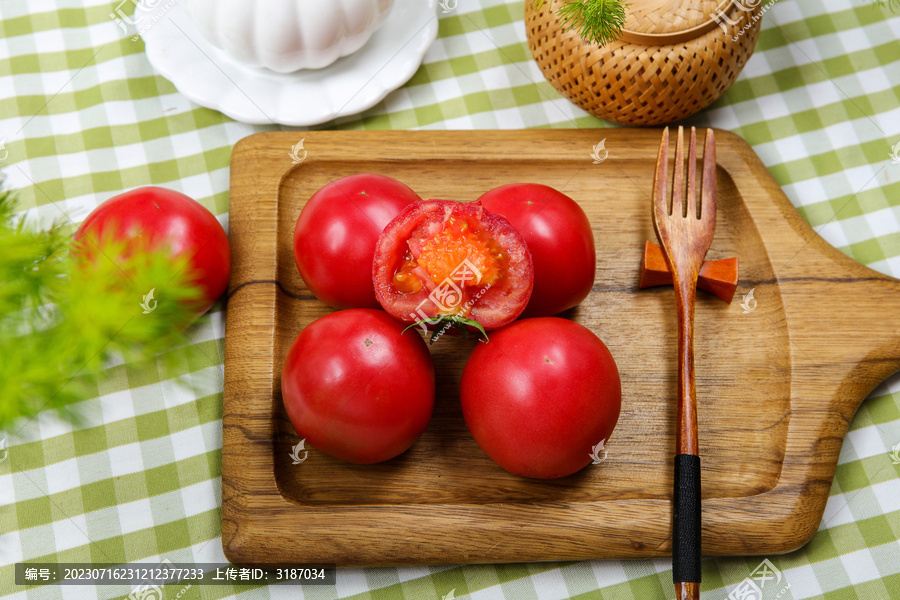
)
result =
(597, 21)
(63, 322)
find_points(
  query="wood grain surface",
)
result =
(776, 387)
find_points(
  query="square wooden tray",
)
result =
(776, 386)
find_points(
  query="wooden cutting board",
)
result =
(776, 386)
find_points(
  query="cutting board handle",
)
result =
(844, 317)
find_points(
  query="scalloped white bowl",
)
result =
(208, 76)
(288, 35)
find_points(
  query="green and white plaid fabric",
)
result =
(83, 116)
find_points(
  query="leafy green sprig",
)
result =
(63, 321)
(597, 21)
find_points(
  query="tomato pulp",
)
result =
(440, 260)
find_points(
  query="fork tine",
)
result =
(708, 187)
(691, 199)
(678, 203)
(661, 179)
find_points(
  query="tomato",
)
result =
(540, 396)
(559, 235)
(440, 259)
(335, 235)
(155, 217)
(358, 388)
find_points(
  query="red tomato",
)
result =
(160, 217)
(559, 235)
(335, 236)
(540, 396)
(444, 259)
(356, 387)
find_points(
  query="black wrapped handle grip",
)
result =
(686, 519)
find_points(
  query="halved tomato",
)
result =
(444, 261)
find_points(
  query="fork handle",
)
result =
(686, 522)
(686, 546)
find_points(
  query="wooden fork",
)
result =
(685, 230)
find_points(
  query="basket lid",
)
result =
(661, 22)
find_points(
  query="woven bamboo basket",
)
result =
(672, 60)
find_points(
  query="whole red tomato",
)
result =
(540, 396)
(154, 217)
(358, 388)
(440, 259)
(335, 235)
(559, 235)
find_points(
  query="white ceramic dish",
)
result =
(288, 35)
(352, 84)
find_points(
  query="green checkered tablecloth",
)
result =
(83, 116)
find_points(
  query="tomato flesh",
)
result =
(404, 279)
(440, 258)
